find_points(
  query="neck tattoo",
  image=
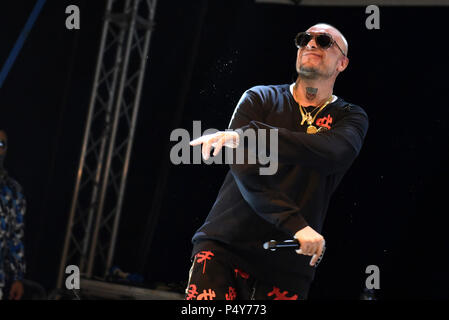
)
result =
(311, 93)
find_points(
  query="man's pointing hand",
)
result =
(216, 140)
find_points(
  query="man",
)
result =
(12, 211)
(319, 136)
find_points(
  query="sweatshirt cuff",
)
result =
(293, 224)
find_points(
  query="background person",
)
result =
(12, 212)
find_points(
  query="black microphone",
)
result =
(273, 245)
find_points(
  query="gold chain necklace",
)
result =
(307, 116)
(311, 129)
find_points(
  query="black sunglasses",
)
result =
(323, 40)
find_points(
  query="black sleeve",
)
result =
(328, 152)
(258, 191)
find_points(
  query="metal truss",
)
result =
(108, 138)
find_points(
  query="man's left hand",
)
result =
(312, 244)
(16, 291)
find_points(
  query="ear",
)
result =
(297, 53)
(297, 60)
(342, 64)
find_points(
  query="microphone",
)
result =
(273, 245)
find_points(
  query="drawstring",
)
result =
(253, 293)
(190, 275)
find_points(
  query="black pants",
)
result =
(213, 277)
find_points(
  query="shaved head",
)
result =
(319, 60)
(314, 62)
(336, 34)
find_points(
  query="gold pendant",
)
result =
(307, 117)
(322, 129)
(311, 129)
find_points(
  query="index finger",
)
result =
(317, 255)
(199, 140)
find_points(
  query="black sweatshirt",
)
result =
(251, 208)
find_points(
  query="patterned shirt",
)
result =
(12, 212)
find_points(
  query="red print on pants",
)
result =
(207, 294)
(242, 274)
(281, 295)
(231, 295)
(203, 256)
(192, 293)
(324, 122)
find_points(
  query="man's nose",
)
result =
(312, 44)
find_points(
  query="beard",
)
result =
(313, 73)
(309, 73)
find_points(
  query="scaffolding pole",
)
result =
(99, 190)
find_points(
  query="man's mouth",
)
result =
(311, 54)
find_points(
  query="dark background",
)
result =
(390, 209)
